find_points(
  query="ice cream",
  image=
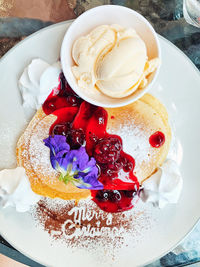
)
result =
(37, 81)
(15, 190)
(164, 186)
(113, 60)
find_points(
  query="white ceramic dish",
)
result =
(179, 92)
(108, 14)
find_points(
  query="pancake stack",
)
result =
(134, 123)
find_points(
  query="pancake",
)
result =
(33, 155)
(135, 123)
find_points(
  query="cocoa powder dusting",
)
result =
(85, 225)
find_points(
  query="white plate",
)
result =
(177, 86)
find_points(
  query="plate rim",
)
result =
(160, 37)
(70, 21)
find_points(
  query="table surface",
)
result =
(167, 19)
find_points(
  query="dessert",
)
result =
(86, 172)
(112, 60)
(89, 168)
(122, 153)
(74, 150)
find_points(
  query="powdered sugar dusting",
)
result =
(40, 154)
(37, 155)
(135, 141)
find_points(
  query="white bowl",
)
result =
(108, 14)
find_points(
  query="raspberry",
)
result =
(108, 195)
(76, 138)
(129, 193)
(115, 196)
(73, 101)
(61, 129)
(107, 150)
(102, 195)
(128, 166)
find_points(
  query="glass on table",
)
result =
(191, 11)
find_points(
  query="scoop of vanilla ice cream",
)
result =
(122, 68)
(111, 59)
(85, 52)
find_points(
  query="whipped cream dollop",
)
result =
(113, 60)
(37, 81)
(164, 186)
(15, 190)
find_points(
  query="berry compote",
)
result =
(157, 139)
(85, 124)
(114, 200)
(60, 97)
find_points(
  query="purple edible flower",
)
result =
(74, 166)
(58, 148)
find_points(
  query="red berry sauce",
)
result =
(82, 122)
(61, 97)
(114, 200)
(157, 139)
(64, 117)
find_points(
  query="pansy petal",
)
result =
(57, 143)
(91, 163)
(91, 178)
(64, 163)
(93, 183)
(62, 153)
(73, 159)
(84, 158)
(53, 160)
(82, 186)
(48, 143)
(60, 162)
(60, 143)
